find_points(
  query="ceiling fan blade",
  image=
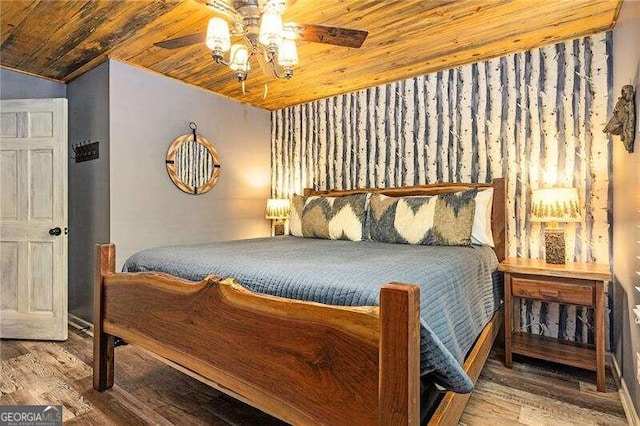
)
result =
(333, 35)
(267, 68)
(177, 43)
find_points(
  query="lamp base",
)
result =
(554, 246)
(277, 228)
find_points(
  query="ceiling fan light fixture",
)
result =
(239, 60)
(271, 30)
(265, 38)
(276, 6)
(288, 53)
(218, 38)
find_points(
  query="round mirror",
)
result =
(193, 163)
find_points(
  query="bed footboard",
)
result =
(103, 343)
(302, 362)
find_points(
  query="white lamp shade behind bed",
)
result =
(278, 210)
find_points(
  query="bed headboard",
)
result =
(498, 215)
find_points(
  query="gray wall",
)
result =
(626, 204)
(147, 111)
(88, 184)
(16, 85)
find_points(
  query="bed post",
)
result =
(102, 342)
(499, 217)
(399, 384)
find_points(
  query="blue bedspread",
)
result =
(459, 291)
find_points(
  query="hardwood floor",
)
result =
(149, 392)
(536, 392)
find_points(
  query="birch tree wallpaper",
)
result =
(534, 117)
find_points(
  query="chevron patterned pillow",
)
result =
(441, 220)
(335, 218)
(295, 217)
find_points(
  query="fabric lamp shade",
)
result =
(555, 205)
(278, 208)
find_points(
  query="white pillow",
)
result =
(481, 229)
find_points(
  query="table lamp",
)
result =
(278, 210)
(554, 206)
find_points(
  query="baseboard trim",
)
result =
(623, 391)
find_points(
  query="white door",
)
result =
(33, 219)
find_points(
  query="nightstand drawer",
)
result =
(552, 289)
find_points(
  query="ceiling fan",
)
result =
(260, 34)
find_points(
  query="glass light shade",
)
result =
(271, 28)
(278, 208)
(239, 59)
(218, 35)
(288, 53)
(555, 205)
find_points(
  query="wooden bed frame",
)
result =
(303, 362)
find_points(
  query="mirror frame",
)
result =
(171, 167)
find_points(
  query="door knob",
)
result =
(55, 231)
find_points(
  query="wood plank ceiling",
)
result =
(61, 39)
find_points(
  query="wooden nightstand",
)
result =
(572, 283)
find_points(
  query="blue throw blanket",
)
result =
(459, 291)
